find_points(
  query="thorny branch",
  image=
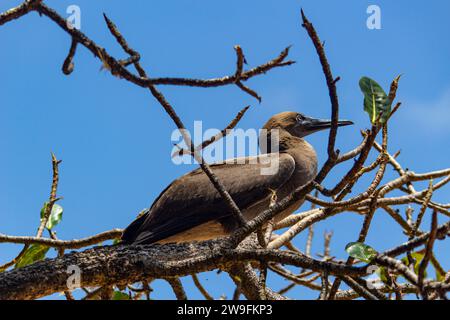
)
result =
(126, 265)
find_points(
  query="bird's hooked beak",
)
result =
(313, 125)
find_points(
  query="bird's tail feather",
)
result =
(131, 232)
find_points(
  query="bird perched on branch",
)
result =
(190, 208)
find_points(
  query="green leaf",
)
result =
(44, 207)
(376, 101)
(55, 216)
(34, 253)
(361, 251)
(418, 257)
(382, 273)
(119, 295)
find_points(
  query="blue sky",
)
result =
(114, 138)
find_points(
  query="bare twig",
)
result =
(177, 288)
(428, 253)
(426, 201)
(52, 199)
(217, 137)
(65, 244)
(331, 83)
(68, 64)
(201, 288)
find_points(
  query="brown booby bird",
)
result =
(191, 209)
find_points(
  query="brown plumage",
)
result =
(190, 208)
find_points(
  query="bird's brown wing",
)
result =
(192, 200)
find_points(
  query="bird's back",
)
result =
(192, 200)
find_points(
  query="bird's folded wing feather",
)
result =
(192, 200)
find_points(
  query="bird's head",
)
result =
(299, 125)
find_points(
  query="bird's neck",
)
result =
(303, 153)
(281, 141)
(304, 156)
(291, 143)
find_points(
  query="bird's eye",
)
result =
(300, 118)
